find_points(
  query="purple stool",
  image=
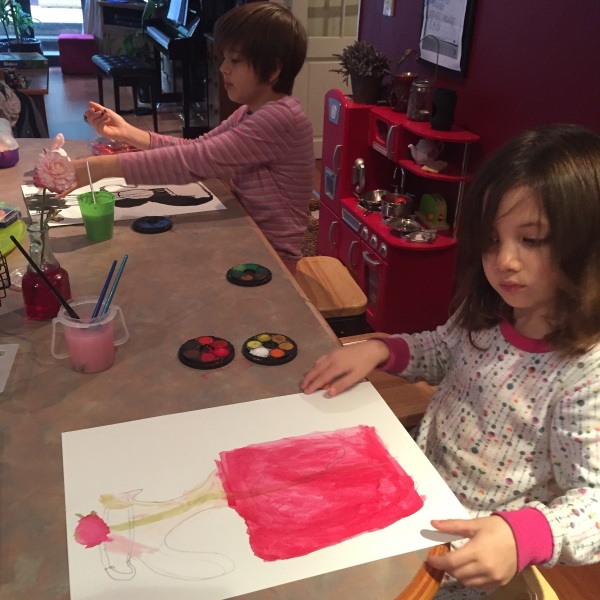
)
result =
(76, 51)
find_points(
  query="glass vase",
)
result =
(40, 303)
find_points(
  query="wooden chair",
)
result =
(527, 585)
(426, 582)
(408, 401)
(329, 286)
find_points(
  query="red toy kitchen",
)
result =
(403, 262)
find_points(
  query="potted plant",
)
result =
(20, 23)
(366, 67)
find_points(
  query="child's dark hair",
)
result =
(269, 36)
(561, 164)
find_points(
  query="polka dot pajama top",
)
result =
(512, 425)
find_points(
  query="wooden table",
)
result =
(37, 89)
(173, 289)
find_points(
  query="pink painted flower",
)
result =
(91, 530)
(53, 169)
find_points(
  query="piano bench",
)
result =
(127, 71)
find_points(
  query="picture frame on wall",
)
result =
(446, 33)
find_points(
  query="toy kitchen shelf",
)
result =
(408, 284)
(390, 134)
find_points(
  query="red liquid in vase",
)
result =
(40, 303)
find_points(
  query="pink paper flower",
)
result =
(91, 530)
(53, 169)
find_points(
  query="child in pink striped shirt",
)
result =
(265, 148)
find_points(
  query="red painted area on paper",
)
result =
(298, 495)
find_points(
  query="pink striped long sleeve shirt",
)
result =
(267, 155)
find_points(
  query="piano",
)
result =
(180, 36)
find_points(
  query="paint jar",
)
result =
(90, 342)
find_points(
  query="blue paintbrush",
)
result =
(114, 286)
(103, 292)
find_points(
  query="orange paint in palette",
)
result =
(270, 349)
(206, 352)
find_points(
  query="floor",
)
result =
(65, 105)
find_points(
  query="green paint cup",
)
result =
(98, 216)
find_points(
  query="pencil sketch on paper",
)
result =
(296, 495)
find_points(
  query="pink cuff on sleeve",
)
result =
(532, 533)
(399, 354)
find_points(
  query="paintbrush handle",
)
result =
(104, 290)
(30, 260)
(113, 289)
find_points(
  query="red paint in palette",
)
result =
(302, 494)
(206, 352)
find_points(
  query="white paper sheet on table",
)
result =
(147, 196)
(167, 456)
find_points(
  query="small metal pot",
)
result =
(395, 205)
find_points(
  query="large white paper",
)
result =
(131, 201)
(165, 457)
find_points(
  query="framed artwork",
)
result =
(446, 33)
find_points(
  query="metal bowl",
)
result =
(422, 237)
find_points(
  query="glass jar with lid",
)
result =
(419, 100)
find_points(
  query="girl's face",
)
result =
(517, 263)
(242, 83)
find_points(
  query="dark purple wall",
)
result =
(532, 62)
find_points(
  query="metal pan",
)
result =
(371, 201)
(403, 225)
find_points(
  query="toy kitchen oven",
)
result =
(408, 283)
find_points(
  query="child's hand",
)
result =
(487, 561)
(107, 122)
(342, 368)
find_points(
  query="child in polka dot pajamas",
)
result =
(514, 424)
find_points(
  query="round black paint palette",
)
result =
(249, 275)
(152, 224)
(206, 352)
(270, 349)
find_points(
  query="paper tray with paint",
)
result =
(295, 495)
